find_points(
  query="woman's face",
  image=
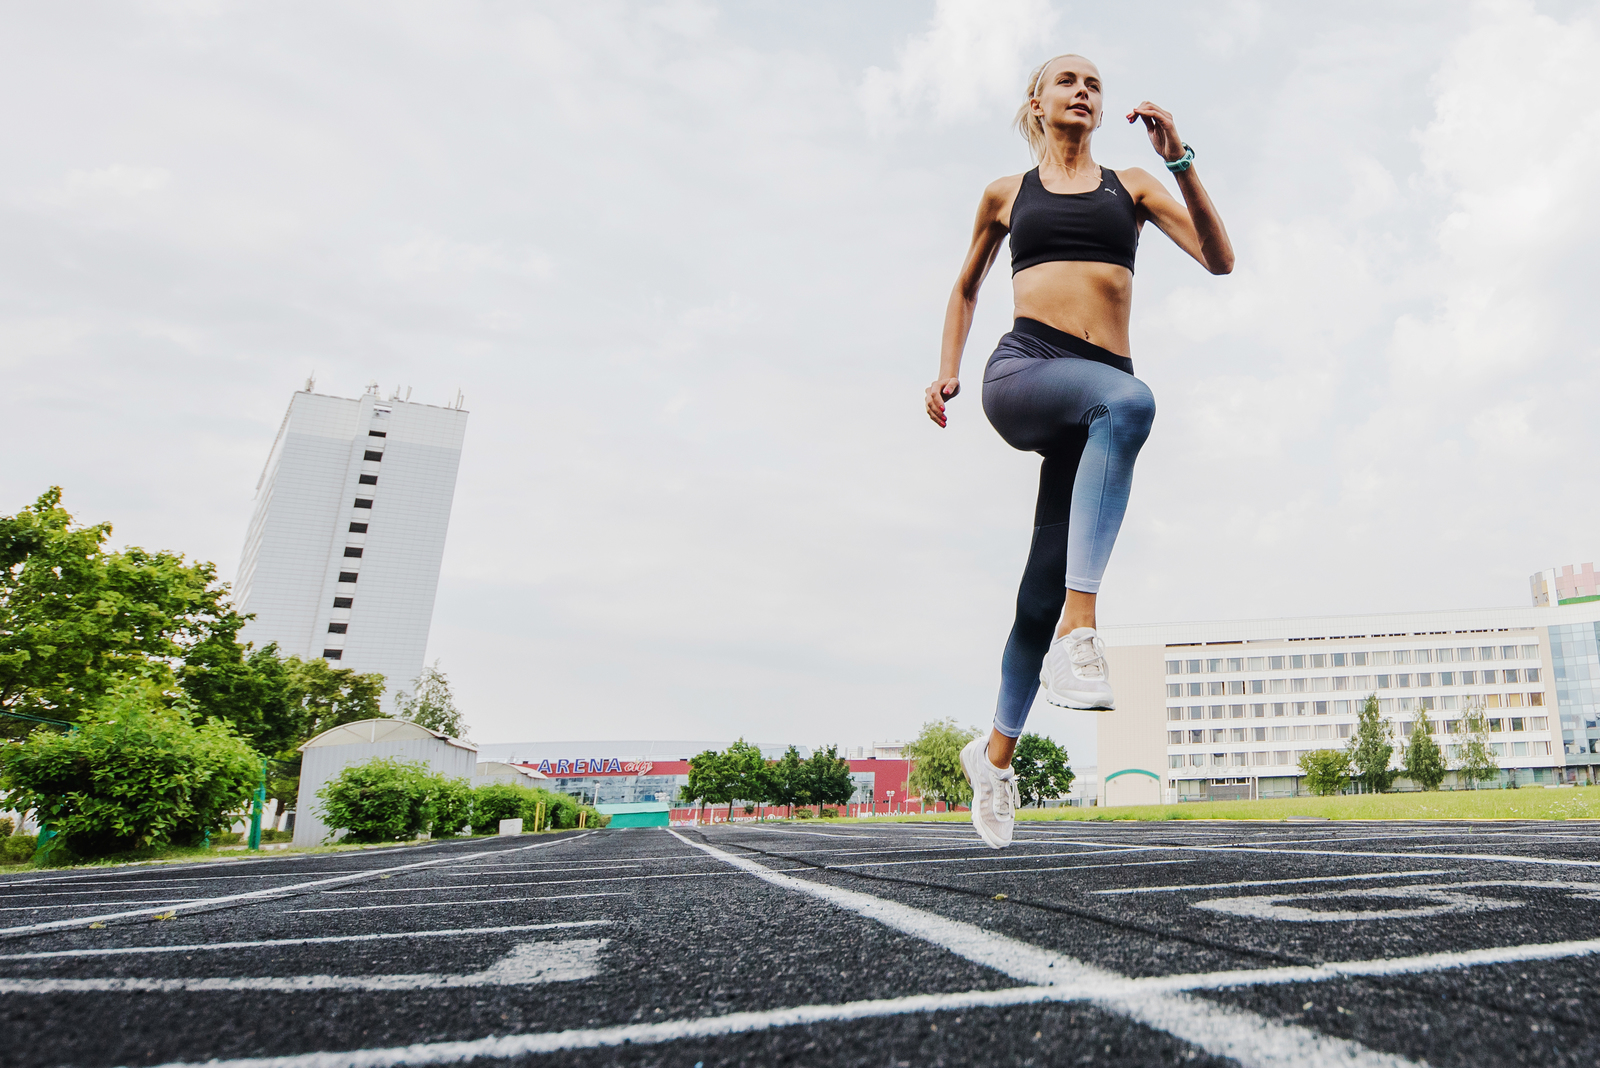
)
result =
(1069, 94)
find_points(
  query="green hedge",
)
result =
(18, 849)
(134, 774)
(387, 800)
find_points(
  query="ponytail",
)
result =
(1029, 125)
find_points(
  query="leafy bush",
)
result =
(830, 813)
(17, 849)
(452, 806)
(383, 800)
(803, 814)
(134, 774)
(7, 826)
(498, 801)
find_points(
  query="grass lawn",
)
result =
(1578, 802)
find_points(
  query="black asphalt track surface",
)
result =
(1299, 943)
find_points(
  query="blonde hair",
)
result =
(1029, 125)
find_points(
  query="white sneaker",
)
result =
(1075, 673)
(994, 794)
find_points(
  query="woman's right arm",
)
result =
(987, 233)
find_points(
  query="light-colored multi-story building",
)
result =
(1567, 584)
(342, 556)
(1225, 710)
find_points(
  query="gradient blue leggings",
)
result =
(1079, 407)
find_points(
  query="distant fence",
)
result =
(719, 813)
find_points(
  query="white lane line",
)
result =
(273, 943)
(85, 905)
(1271, 882)
(527, 964)
(1324, 1052)
(1262, 851)
(969, 860)
(452, 904)
(263, 894)
(88, 893)
(1077, 867)
(973, 847)
(1253, 1040)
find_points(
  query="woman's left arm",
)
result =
(1194, 226)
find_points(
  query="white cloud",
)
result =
(976, 54)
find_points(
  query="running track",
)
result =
(1356, 944)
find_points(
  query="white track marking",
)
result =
(274, 943)
(451, 904)
(163, 883)
(1438, 898)
(1228, 1032)
(159, 903)
(263, 894)
(1271, 882)
(1434, 902)
(525, 965)
(967, 860)
(1327, 1052)
(1256, 850)
(1077, 867)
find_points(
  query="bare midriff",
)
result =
(1090, 300)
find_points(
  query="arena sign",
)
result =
(595, 766)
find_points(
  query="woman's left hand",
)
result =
(1162, 130)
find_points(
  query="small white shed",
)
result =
(329, 753)
(493, 771)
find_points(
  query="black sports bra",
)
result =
(1101, 225)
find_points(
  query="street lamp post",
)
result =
(891, 801)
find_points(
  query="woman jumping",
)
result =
(1061, 384)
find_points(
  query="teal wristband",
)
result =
(1183, 162)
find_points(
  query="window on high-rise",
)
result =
(352, 551)
(343, 602)
(368, 480)
(377, 434)
(358, 528)
(338, 628)
(372, 454)
(363, 502)
(333, 654)
(347, 576)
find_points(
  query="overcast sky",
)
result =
(688, 264)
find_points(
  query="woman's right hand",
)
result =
(942, 390)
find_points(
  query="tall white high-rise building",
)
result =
(342, 557)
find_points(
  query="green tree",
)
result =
(1478, 763)
(1424, 763)
(707, 781)
(1372, 748)
(936, 772)
(788, 785)
(382, 800)
(828, 778)
(746, 772)
(76, 619)
(430, 704)
(1327, 771)
(1041, 768)
(134, 774)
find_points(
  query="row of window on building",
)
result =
(345, 599)
(1313, 732)
(1386, 706)
(1391, 681)
(1288, 757)
(1381, 658)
